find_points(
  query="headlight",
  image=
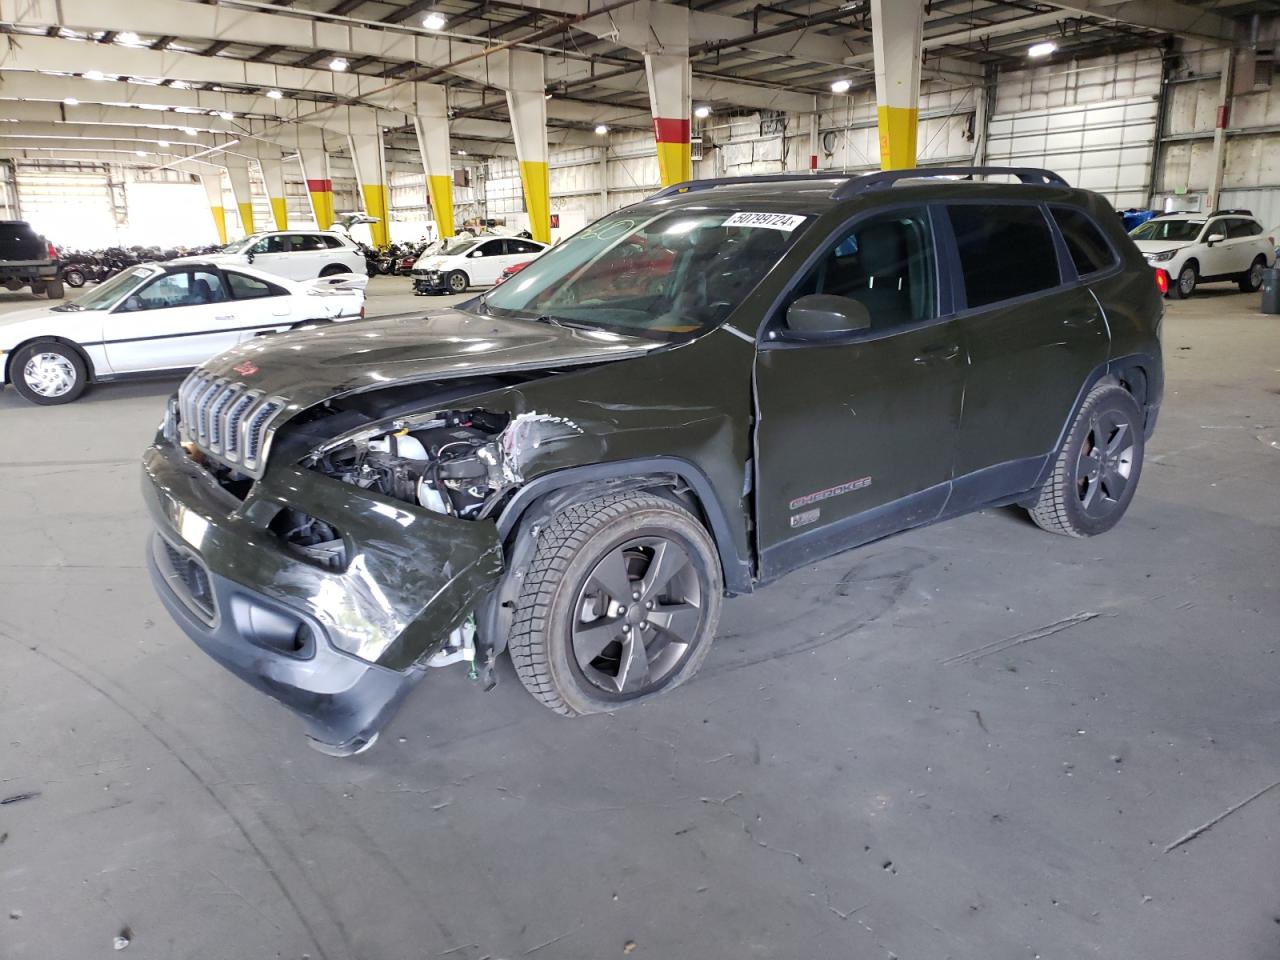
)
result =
(1161, 257)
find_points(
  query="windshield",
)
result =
(459, 249)
(664, 275)
(108, 294)
(1178, 231)
(240, 246)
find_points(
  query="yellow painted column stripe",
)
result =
(440, 191)
(536, 179)
(220, 222)
(246, 216)
(322, 207)
(280, 213)
(675, 163)
(897, 136)
(375, 205)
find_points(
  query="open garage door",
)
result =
(72, 208)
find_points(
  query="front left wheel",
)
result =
(48, 373)
(333, 269)
(619, 603)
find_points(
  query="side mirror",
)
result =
(823, 313)
(249, 256)
(1215, 238)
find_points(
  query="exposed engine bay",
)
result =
(451, 462)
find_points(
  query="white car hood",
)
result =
(19, 325)
(1160, 246)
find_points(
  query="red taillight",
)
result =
(53, 252)
(1162, 281)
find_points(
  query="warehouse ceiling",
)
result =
(745, 55)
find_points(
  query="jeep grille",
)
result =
(228, 421)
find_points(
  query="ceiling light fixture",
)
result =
(339, 64)
(601, 129)
(140, 153)
(1042, 49)
(434, 21)
(702, 112)
(841, 86)
(189, 131)
(462, 153)
(128, 38)
(162, 143)
(94, 75)
(225, 115)
(179, 84)
(274, 94)
(71, 101)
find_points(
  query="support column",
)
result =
(271, 163)
(895, 39)
(669, 99)
(1220, 129)
(213, 190)
(814, 136)
(370, 163)
(315, 171)
(432, 127)
(238, 172)
(527, 105)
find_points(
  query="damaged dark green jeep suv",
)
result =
(686, 400)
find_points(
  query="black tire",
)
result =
(74, 278)
(1184, 284)
(548, 632)
(37, 287)
(1097, 470)
(1251, 282)
(457, 282)
(333, 269)
(79, 373)
(54, 290)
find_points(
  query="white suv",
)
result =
(472, 263)
(1194, 248)
(294, 254)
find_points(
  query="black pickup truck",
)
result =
(28, 260)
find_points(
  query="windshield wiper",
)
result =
(562, 322)
(66, 308)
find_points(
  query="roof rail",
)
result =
(855, 184)
(887, 178)
(690, 185)
(1218, 213)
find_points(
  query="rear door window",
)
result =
(1236, 229)
(1089, 249)
(1006, 251)
(245, 287)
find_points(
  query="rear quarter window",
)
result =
(1006, 251)
(1086, 243)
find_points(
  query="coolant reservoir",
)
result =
(430, 497)
(400, 445)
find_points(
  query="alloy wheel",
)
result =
(1105, 463)
(1187, 281)
(49, 374)
(637, 616)
(1255, 275)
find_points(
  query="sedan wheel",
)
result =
(49, 373)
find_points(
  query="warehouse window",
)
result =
(1089, 249)
(1006, 251)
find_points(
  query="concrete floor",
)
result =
(976, 740)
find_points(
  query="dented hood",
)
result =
(308, 366)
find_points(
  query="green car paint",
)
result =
(789, 448)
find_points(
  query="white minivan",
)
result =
(472, 263)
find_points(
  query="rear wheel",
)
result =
(333, 269)
(49, 373)
(619, 603)
(1184, 284)
(1251, 282)
(54, 290)
(1097, 469)
(74, 278)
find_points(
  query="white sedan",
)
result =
(157, 319)
(472, 263)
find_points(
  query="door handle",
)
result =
(226, 319)
(943, 353)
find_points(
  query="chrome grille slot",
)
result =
(228, 420)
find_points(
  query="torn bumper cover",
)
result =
(339, 647)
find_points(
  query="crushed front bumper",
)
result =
(430, 282)
(341, 648)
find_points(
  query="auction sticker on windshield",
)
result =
(770, 221)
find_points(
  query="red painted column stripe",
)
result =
(320, 186)
(671, 129)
